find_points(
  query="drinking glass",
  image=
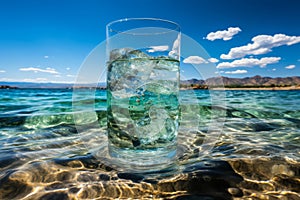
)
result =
(143, 91)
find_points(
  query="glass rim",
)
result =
(110, 24)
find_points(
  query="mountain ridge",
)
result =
(255, 81)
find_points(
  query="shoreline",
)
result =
(181, 88)
(259, 88)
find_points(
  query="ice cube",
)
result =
(119, 53)
(151, 132)
(135, 54)
(126, 53)
(159, 87)
(167, 63)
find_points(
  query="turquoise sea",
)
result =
(52, 147)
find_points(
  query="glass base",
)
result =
(143, 160)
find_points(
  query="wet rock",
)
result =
(74, 190)
(86, 178)
(197, 197)
(73, 130)
(104, 177)
(12, 121)
(151, 180)
(223, 166)
(136, 142)
(54, 186)
(64, 176)
(75, 164)
(268, 175)
(87, 161)
(130, 176)
(236, 192)
(281, 169)
(55, 196)
(287, 183)
(13, 189)
(207, 179)
(7, 160)
(261, 126)
(296, 121)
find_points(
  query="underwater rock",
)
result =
(134, 177)
(55, 195)
(13, 189)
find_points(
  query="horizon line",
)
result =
(74, 83)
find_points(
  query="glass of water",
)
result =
(143, 92)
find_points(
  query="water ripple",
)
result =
(45, 155)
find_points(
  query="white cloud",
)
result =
(34, 80)
(194, 60)
(213, 60)
(274, 69)
(290, 67)
(68, 68)
(175, 52)
(2, 71)
(69, 75)
(46, 57)
(261, 44)
(39, 80)
(6, 79)
(36, 69)
(237, 72)
(249, 62)
(225, 34)
(158, 48)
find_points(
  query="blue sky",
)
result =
(47, 40)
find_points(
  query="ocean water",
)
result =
(52, 146)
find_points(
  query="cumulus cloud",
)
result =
(2, 71)
(194, 60)
(290, 67)
(224, 34)
(68, 68)
(213, 60)
(175, 52)
(261, 44)
(35, 80)
(249, 62)
(199, 60)
(70, 75)
(46, 57)
(237, 72)
(36, 69)
(158, 48)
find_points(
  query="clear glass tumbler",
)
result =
(143, 92)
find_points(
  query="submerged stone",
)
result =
(130, 176)
(55, 195)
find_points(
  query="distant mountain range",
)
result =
(46, 85)
(255, 81)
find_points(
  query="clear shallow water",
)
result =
(44, 154)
